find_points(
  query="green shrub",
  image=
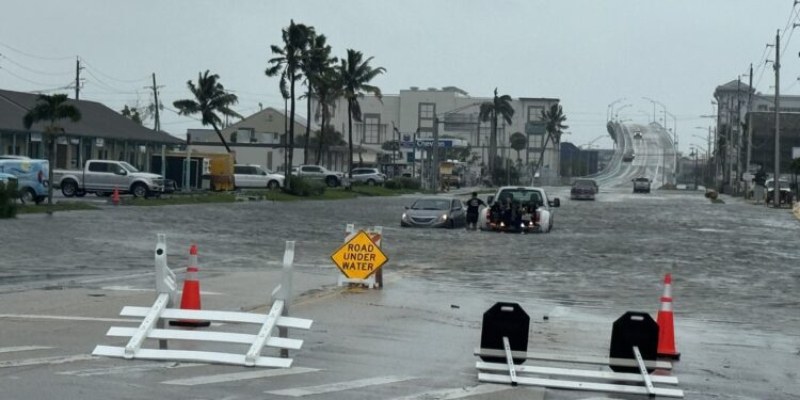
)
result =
(407, 183)
(306, 187)
(8, 204)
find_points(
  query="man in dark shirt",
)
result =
(473, 207)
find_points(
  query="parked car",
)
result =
(369, 176)
(104, 176)
(31, 177)
(637, 134)
(583, 189)
(435, 212)
(519, 209)
(641, 185)
(254, 176)
(331, 178)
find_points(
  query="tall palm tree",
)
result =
(210, 99)
(328, 88)
(316, 61)
(500, 106)
(287, 63)
(356, 73)
(51, 109)
(554, 126)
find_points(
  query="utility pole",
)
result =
(749, 130)
(435, 166)
(777, 65)
(156, 105)
(77, 78)
(738, 134)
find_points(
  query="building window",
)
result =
(535, 113)
(372, 128)
(426, 114)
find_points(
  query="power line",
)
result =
(33, 55)
(138, 80)
(25, 79)
(34, 70)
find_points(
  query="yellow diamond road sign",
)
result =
(360, 257)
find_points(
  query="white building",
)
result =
(409, 117)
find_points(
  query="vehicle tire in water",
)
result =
(69, 188)
(80, 193)
(331, 181)
(272, 185)
(139, 190)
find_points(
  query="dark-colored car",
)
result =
(641, 185)
(435, 212)
(583, 189)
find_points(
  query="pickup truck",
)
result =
(331, 178)
(103, 176)
(518, 209)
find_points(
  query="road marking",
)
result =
(66, 318)
(22, 348)
(128, 369)
(457, 393)
(339, 386)
(238, 376)
(46, 360)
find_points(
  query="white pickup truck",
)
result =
(103, 176)
(518, 209)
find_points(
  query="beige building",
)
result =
(259, 139)
(409, 117)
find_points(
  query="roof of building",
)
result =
(97, 120)
(733, 86)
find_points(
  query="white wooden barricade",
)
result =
(375, 279)
(152, 326)
(587, 380)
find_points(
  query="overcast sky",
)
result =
(587, 53)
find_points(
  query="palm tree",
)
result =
(328, 88)
(356, 73)
(51, 109)
(518, 143)
(316, 61)
(500, 106)
(287, 62)
(210, 99)
(554, 125)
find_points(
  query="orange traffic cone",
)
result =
(190, 299)
(115, 197)
(666, 328)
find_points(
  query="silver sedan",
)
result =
(435, 212)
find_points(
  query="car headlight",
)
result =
(404, 217)
(443, 217)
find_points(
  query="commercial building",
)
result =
(409, 117)
(746, 119)
(101, 133)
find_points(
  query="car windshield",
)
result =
(128, 167)
(431, 204)
(521, 195)
(771, 183)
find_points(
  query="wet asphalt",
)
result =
(734, 267)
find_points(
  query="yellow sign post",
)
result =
(359, 257)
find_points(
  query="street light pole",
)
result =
(776, 199)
